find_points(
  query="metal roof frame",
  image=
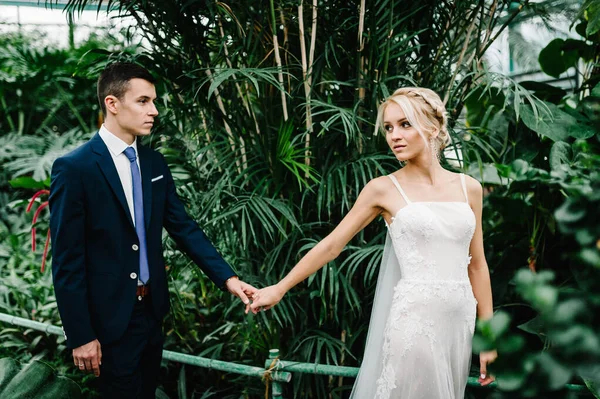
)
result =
(48, 4)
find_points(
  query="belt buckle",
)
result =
(142, 291)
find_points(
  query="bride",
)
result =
(433, 277)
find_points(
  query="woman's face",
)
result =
(404, 140)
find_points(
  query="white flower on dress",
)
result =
(386, 383)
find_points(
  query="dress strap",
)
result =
(464, 186)
(402, 193)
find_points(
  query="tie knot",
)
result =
(130, 154)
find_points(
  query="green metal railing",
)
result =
(277, 376)
(276, 370)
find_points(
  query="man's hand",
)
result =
(88, 357)
(242, 290)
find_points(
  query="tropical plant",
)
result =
(36, 380)
(549, 163)
(266, 119)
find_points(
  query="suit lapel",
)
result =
(146, 171)
(107, 166)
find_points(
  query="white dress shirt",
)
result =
(116, 146)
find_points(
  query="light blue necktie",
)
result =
(138, 211)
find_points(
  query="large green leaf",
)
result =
(545, 91)
(560, 155)
(593, 17)
(534, 326)
(554, 59)
(29, 182)
(596, 91)
(558, 374)
(34, 380)
(552, 122)
(543, 123)
(485, 174)
(593, 386)
(591, 377)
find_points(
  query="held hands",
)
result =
(266, 298)
(241, 289)
(486, 358)
(88, 357)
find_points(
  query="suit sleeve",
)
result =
(67, 229)
(190, 238)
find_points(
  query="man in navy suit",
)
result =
(109, 201)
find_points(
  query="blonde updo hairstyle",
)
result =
(424, 110)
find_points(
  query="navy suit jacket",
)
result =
(95, 249)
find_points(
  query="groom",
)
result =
(109, 201)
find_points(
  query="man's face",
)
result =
(136, 110)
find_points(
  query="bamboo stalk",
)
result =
(459, 33)
(460, 58)
(228, 129)
(361, 59)
(249, 110)
(441, 40)
(229, 64)
(278, 61)
(361, 25)
(313, 39)
(208, 139)
(488, 31)
(478, 38)
(285, 45)
(253, 113)
(342, 357)
(307, 74)
(513, 16)
(361, 44)
(386, 57)
(467, 86)
(478, 42)
(11, 124)
(304, 66)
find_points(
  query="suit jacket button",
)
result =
(135, 247)
(133, 276)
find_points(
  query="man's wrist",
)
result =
(232, 277)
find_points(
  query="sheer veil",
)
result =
(370, 369)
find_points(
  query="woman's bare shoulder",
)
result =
(474, 188)
(378, 185)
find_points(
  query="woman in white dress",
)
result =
(433, 277)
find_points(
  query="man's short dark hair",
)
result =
(114, 80)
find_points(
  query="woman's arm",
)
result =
(479, 275)
(365, 209)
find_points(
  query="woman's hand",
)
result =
(486, 358)
(266, 298)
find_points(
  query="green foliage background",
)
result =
(267, 186)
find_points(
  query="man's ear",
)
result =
(111, 103)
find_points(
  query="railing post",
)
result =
(276, 386)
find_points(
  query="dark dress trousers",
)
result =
(95, 248)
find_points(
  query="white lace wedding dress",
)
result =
(419, 343)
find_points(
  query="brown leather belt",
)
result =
(142, 291)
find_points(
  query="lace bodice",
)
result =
(432, 239)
